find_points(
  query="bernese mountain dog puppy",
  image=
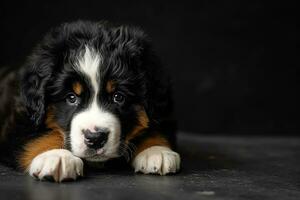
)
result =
(89, 92)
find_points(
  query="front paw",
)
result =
(57, 164)
(157, 160)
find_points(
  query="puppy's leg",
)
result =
(155, 156)
(45, 158)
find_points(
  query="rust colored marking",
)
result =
(155, 140)
(54, 139)
(77, 88)
(110, 86)
(143, 121)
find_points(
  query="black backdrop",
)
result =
(233, 63)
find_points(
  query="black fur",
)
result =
(46, 78)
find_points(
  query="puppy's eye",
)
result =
(119, 98)
(72, 99)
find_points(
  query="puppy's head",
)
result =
(96, 85)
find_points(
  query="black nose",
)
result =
(95, 139)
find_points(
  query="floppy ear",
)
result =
(34, 78)
(159, 101)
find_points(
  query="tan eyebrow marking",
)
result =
(110, 86)
(77, 88)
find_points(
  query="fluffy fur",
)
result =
(88, 92)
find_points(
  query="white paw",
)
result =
(57, 164)
(157, 160)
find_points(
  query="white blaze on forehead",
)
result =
(94, 115)
(89, 64)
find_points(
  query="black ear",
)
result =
(159, 101)
(34, 78)
(37, 71)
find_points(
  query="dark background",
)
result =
(233, 63)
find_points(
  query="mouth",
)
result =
(95, 154)
(100, 154)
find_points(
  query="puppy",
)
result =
(88, 92)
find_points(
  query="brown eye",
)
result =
(72, 99)
(118, 98)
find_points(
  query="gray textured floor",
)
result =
(213, 168)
